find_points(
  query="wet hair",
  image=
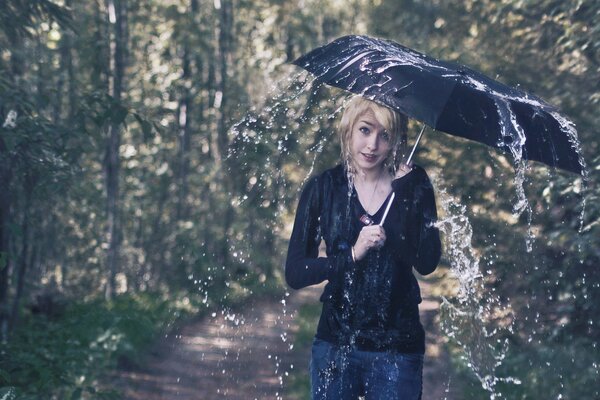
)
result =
(395, 123)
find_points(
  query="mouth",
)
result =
(370, 157)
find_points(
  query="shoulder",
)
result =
(415, 176)
(420, 178)
(420, 172)
(325, 180)
(332, 177)
(337, 175)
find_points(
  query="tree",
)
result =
(117, 19)
(21, 135)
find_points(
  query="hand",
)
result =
(403, 169)
(370, 237)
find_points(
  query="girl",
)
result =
(369, 340)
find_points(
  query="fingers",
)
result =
(370, 237)
(403, 169)
(373, 236)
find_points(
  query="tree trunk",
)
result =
(17, 66)
(29, 184)
(156, 243)
(184, 111)
(66, 73)
(71, 79)
(5, 264)
(221, 99)
(117, 19)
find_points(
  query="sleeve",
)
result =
(303, 267)
(423, 236)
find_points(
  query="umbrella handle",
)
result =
(412, 153)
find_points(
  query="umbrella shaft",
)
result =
(412, 153)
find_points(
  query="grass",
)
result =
(69, 355)
(298, 386)
(63, 356)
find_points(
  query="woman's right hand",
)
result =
(370, 237)
(403, 169)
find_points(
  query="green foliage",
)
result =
(551, 367)
(550, 48)
(307, 318)
(205, 210)
(63, 357)
(18, 18)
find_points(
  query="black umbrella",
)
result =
(448, 97)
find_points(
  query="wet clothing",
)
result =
(341, 373)
(372, 304)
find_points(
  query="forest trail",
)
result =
(246, 355)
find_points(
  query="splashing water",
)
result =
(396, 73)
(514, 138)
(569, 128)
(8, 395)
(10, 123)
(477, 320)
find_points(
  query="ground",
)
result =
(247, 355)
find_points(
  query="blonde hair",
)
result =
(395, 123)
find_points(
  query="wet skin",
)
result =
(370, 145)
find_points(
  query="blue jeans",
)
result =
(342, 374)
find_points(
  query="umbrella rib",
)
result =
(448, 97)
(352, 61)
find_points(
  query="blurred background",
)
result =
(152, 153)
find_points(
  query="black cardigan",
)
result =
(371, 304)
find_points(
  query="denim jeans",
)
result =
(345, 374)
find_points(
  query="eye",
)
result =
(385, 136)
(365, 130)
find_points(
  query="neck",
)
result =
(371, 176)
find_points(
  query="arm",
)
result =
(423, 237)
(303, 267)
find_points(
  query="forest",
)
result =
(152, 154)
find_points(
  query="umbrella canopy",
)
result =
(448, 97)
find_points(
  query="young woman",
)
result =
(369, 340)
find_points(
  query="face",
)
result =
(369, 143)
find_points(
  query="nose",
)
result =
(373, 142)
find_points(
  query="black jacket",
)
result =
(371, 304)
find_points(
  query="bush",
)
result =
(63, 357)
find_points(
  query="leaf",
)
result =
(15, 229)
(4, 376)
(145, 125)
(76, 395)
(9, 140)
(117, 114)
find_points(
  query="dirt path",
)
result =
(246, 356)
(436, 370)
(225, 356)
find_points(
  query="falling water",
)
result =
(8, 395)
(273, 130)
(474, 318)
(569, 128)
(375, 57)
